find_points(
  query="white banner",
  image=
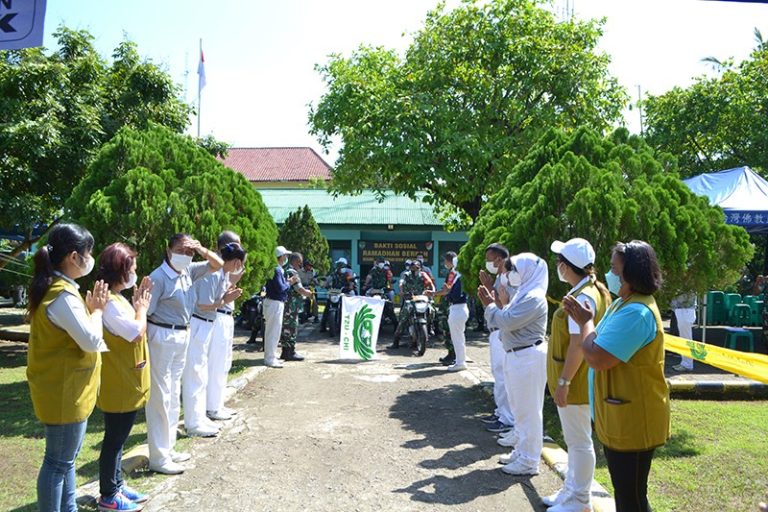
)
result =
(360, 319)
(21, 23)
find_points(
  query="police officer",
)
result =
(414, 282)
(308, 278)
(342, 279)
(296, 296)
(380, 278)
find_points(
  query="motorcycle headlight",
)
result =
(421, 307)
(335, 298)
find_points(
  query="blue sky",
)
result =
(260, 55)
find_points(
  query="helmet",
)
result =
(342, 261)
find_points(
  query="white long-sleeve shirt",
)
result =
(68, 312)
(120, 319)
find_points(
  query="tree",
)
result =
(57, 109)
(716, 123)
(606, 190)
(145, 185)
(477, 87)
(301, 233)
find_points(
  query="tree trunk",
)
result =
(27, 243)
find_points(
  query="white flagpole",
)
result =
(198, 92)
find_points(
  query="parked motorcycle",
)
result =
(252, 317)
(419, 322)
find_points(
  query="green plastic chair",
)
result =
(741, 315)
(737, 334)
(717, 314)
(756, 309)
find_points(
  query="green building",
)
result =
(358, 228)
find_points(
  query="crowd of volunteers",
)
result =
(601, 357)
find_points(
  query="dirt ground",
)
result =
(398, 433)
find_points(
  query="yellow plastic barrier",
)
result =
(747, 364)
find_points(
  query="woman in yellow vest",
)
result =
(65, 341)
(625, 352)
(125, 371)
(567, 373)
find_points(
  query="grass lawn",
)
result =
(715, 460)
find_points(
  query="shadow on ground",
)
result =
(446, 419)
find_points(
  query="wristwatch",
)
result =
(562, 382)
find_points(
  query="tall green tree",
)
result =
(718, 122)
(608, 189)
(145, 185)
(300, 233)
(57, 108)
(477, 87)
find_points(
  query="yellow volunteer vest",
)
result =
(632, 399)
(124, 370)
(560, 339)
(63, 379)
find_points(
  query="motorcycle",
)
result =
(252, 317)
(389, 306)
(334, 311)
(419, 322)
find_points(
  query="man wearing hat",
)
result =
(274, 307)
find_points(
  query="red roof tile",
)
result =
(278, 164)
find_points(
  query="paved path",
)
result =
(399, 433)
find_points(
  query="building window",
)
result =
(340, 249)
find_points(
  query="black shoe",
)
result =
(291, 355)
(449, 359)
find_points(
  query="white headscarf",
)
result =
(534, 276)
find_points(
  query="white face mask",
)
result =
(560, 275)
(513, 279)
(180, 262)
(491, 267)
(131, 282)
(238, 271)
(89, 263)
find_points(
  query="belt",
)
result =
(516, 349)
(195, 315)
(224, 311)
(169, 326)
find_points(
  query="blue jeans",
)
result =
(56, 482)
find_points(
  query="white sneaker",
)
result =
(221, 415)
(274, 364)
(509, 457)
(457, 367)
(519, 468)
(202, 432)
(169, 468)
(572, 504)
(557, 498)
(180, 456)
(509, 440)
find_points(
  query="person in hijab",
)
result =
(522, 323)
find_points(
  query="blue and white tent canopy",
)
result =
(740, 192)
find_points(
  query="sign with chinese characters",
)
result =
(746, 218)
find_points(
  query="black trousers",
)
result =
(629, 476)
(117, 427)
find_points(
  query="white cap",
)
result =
(576, 250)
(342, 260)
(281, 251)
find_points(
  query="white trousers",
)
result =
(194, 381)
(458, 314)
(499, 389)
(273, 324)
(576, 421)
(167, 352)
(525, 376)
(219, 360)
(685, 320)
